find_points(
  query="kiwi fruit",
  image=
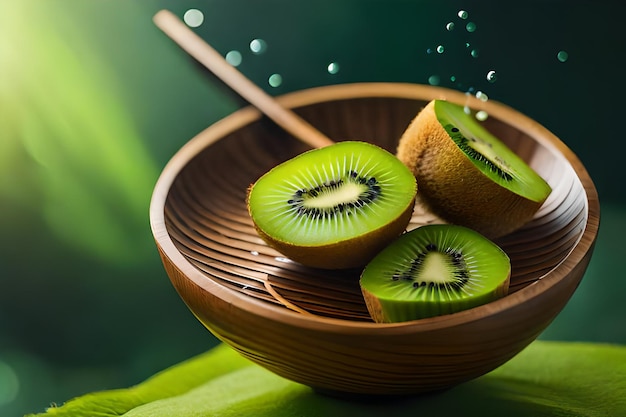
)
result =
(466, 175)
(434, 270)
(334, 207)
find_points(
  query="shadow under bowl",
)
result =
(311, 326)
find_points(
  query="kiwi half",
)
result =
(468, 176)
(334, 207)
(434, 270)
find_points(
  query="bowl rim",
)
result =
(246, 115)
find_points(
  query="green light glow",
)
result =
(69, 149)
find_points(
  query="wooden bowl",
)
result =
(311, 326)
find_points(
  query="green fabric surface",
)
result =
(546, 379)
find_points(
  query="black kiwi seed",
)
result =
(461, 274)
(463, 144)
(474, 154)
(373, 192)
(403, 283)
(334, 207)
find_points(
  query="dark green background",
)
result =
(94, 100)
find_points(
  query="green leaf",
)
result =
(547, 379)
(177, 380)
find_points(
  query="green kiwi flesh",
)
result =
(489, 154)
(434, 270)
(333, 207)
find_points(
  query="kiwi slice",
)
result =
(467, 175)
(333, 207)
(434, 270)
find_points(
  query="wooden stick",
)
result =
(195, 46)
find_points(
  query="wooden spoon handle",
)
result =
(204, 53)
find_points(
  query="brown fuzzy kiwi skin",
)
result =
(374, 307)
(353, 253)
(452, 187)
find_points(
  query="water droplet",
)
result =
(462, 14)
(474, 53)
(255, 253)
(452, 78)
(482, 115)
(333, 68)
(429, 51)
(491, 76)
(258, 46)
(450, 26)
(470, 27)
(467, 44)
(233, 58)
(193, 18)
(440, 49)
(562, 56)
(434, 80)
(275, 80)
(467, 110)
(481, 96)
(282, 259)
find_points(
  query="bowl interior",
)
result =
(206, 217)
